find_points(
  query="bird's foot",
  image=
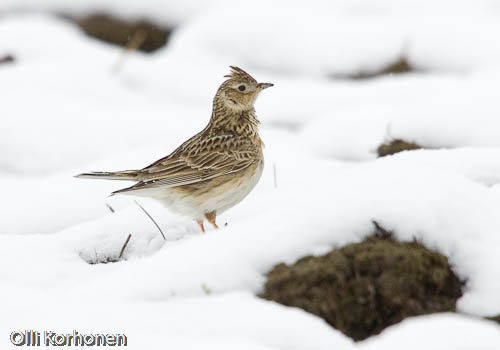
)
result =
(211, 219)
(201, 225)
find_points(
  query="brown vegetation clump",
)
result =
(120, 32)
(362, 288)
(494, 318)
(395, 146)
(6, 59)
(399, 66)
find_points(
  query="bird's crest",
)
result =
(239, 74)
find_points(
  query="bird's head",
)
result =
(239, 92)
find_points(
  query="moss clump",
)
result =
(399, 66)
(362, 288)
(7, 59)
(395, 146)
(120, 32)
(494, 318)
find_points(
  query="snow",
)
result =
(228, 321)
(444, 331)
(65, 111)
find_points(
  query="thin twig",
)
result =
(275, 176)
(144, 210)
(136, 40)
(124, 246)
(110, 208)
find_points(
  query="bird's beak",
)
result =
(263, 86)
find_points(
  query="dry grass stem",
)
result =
(133, 44)
(124, 246)
(110, 208)
(157, 226)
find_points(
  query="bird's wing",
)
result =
(199, 160)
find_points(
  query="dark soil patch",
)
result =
(362, 288)
(395, 146)
(400, 66)
(6, 59)
(121, 32)
(494, 318)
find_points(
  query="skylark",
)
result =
(213, 170)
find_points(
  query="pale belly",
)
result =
(218, 194)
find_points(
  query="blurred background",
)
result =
(92, 84)
(88, 79)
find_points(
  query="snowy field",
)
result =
(64, 111)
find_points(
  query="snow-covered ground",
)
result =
(63, 111)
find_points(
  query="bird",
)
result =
(215, 169)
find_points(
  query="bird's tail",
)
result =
(131, 175)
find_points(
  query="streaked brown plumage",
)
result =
(216, 168)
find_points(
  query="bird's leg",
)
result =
(200, 222)
(211, 218)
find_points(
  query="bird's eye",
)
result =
(241, 87)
